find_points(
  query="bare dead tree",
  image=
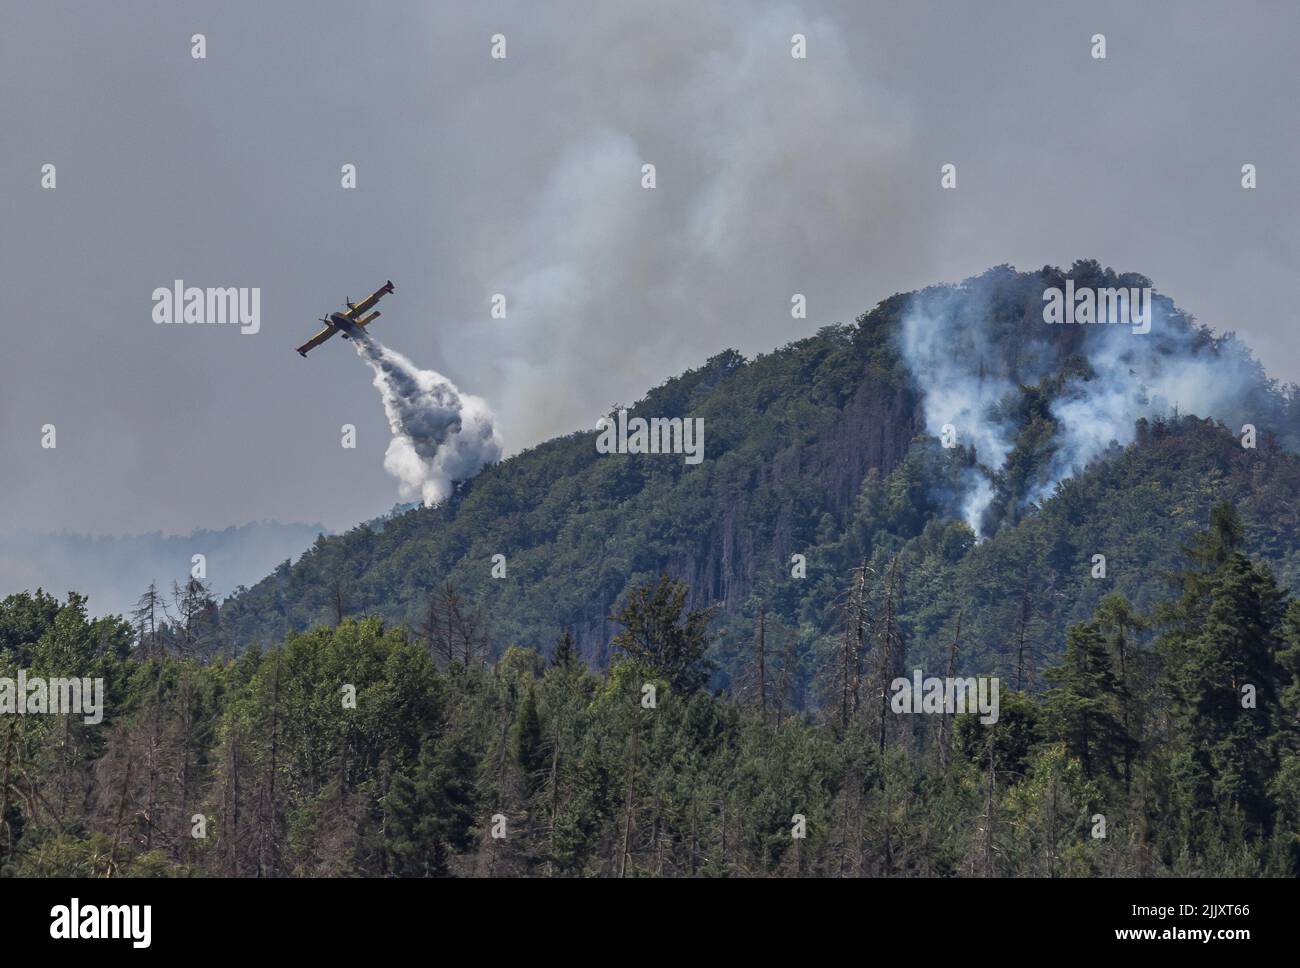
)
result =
(196, 610)
(626, 851)
(852, 606)
(6, 785)
(988, 813)
(268, 832)
(451, 632)
(338, 601)
(1021, 623)
(149, 613)
(783, 680)
(889, 648)
(121, 817)
(945, 721)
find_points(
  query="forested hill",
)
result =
(788, 440)
(394, 703)
(821, 449)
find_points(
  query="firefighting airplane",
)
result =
(347, 323)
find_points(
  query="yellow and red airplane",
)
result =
(358, 315)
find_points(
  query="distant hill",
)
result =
(826, 448)
(113, 571)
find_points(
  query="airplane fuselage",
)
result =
(344, 325)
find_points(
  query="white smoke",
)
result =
(963, 378)
(970, 364)
(440, 435)
(1132, 378)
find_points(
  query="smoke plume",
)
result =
(754, 202)
(440, 435)
(979, 350)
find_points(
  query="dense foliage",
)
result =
(818, 450)
(356, 750)
(683, 666)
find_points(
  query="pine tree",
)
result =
(1227, 680)
(1085, 707)
(526, 741)
(566, 652)
(431, 811)
(1221, 648)
(663, 636)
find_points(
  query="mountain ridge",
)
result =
(817, 448)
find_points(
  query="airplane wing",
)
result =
(316, 340)
(354, 311)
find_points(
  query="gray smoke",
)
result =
(775, 176)
(440, 435)
(971, 359)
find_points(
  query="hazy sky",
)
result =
(523, 176)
